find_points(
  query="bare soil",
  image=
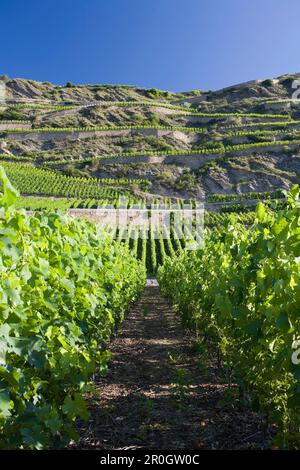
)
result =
(160, 394)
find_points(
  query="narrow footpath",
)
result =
(160, 393)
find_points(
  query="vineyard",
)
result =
(52, 164)
(227, 304)
(142, 104)
(32, 180)
(240, 294)
(108, 128)
(57, 315)
(125, 324)
(221, 149)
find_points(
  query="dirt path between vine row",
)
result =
(160, 394)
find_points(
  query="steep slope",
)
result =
(236, 140)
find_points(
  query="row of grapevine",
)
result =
(245, 115)
(241, 293)
(51, 107)
(282, 125)
(185, 110)
(282, 101)
(30, 179)
(33, 203)
(36, 203)
(220, 218)
(222, 149)
(14, 121)
(14, 158)
(154, 246)
(262, 133)
(52, 203)
(64, 289)
(105, 104)
(244, 196)
(196, 130)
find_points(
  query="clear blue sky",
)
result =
(168, 44)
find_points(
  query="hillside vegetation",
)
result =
(232, 141)
(67, 283)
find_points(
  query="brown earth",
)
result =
(160, 394)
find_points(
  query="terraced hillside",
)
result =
(149, 144)
(66, 286)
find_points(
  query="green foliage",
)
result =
(34, 203)
(268, 83)
(51, 107)
(151, 125)
(187, 181)
(242, 292)
(64, 289)
(217, 219)
(11, 115)
(244, 196)
(29, 179)
(281, 125)
(220, 149)
(155, 93)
